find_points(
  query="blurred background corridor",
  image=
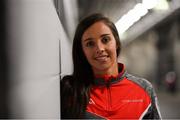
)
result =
(36, 43)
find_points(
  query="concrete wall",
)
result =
(35, 39)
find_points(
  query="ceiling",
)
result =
(71, 11)
(111, 8)
(115, 9)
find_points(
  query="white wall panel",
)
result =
(34, 31)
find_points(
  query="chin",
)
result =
(102, 67)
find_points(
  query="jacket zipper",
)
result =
(108, 95)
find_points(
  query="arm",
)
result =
(153, 112)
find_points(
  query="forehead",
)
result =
(96, 30)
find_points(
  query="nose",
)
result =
(100, 48)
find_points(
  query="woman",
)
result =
(100, 87)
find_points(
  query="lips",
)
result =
(102, 58)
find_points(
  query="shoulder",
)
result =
(153, 111)
(140, 81)
(143, 83)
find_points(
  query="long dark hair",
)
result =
(75, 88)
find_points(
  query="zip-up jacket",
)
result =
(122, 97)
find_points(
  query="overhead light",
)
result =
(162, 5)
(139, 10)
(131, 17)
(149, 4)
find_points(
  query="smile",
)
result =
(102, 58)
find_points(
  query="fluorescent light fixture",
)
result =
(137, 12)
(131, 17)
(149, 4)
(162, 5)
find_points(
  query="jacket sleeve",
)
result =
(153, 111)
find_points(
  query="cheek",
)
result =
(113, 52)
(87, 54)
(113, 48)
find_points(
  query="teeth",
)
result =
(103, 58)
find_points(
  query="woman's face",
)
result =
(99, 47)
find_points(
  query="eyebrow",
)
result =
(104, 35)
(87, 39)
(92, 38)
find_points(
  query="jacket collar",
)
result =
(108, 80)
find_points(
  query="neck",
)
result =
(113, 71)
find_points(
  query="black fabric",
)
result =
(93, 116)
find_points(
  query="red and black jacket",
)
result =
(122, 97)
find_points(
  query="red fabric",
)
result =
(122, 100)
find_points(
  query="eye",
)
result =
(89, 44)
(105, 39)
